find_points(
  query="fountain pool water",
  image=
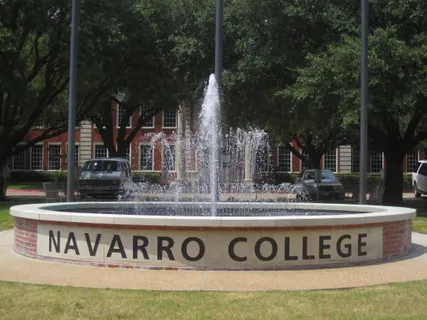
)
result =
(213, 234)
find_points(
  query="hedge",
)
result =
(38, 176)
(347, 179)
(150, 177)
(61, 176)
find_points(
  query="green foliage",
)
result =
(149, 177)
(351, 179)
(37, 176)
(285, 177)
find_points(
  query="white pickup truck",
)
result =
(419, 179)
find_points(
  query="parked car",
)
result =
(419, 179)
(327, 185)
(104, 177)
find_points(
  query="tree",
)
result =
(273, 40)
(138, 79)
(397, 94)
(34, 63)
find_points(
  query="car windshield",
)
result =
(101, 165)
(326, 175)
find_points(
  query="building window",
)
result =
(100, 151)
(36, 157)
(376, 162)
(19, 161)
(127, 153)
(355, 159)
(76, 155)
(149, 123)
(169, 154)
(120, 113)
(304, 165)
(412, 161)
(38, 124)
(283, 159)
(169, 119)
(54, 157)
(146, 157)
(330, 160)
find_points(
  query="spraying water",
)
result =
(209, 136)
(245, 156)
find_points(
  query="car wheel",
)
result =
(417, 194)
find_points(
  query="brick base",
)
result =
(26, 236)
(397, 240)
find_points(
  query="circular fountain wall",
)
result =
(283, 238)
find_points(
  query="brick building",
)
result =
(144, 156)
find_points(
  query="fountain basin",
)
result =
(347, 235)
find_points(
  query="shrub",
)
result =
(285, 177)
(407, 181)
(38, 176)
(150, 177)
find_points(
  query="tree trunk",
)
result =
(393, 184)
(3, 183)
(121, 149)
(314, 162)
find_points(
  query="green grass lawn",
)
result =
(396, 301)
(419, 224)
(25, 185)
(6, 221)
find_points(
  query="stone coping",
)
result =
(367, 214)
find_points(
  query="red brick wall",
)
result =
(26, 236)
(397, 238)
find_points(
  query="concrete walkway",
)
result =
(16, 268)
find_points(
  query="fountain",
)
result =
(213, 234)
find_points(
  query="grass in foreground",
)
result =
(397, 301)
(6, 220)
(419, 224)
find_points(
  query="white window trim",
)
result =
(31, 156)
(153, 120)
(382, 163)
(117, 119)
(152, 157)
(290, 158)
(60, 155)
(94, 147)
(163, 121)
(152, 127)
(38, 127)
(418, 158)
(25, 160)
(336, 161)
(170, 144)
(78, 158)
